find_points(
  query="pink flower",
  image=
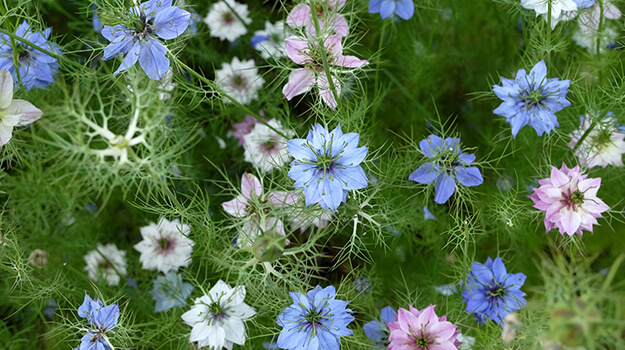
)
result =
(301, 16)
(570, 200)
(308, 54)
(422, 330)
(245, 126)
(589, 20)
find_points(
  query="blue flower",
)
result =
(170, 291)
(95, 20)
(583, 4)
(448, 165)
(402, 8)
(492, 293)
(532, 99)
(427, 214)
(327, 165)
(315, 321)
(35, 68)
(101, 318)
(156, 19)
(378, 331)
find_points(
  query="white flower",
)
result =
(225, 24)
(589, 40)
(510, 325)
(603, 145)
(217, 318)
(13, 112)
(38, 258)
(240, 80)
(165, 246)
(589, 20)
(466, 341)
(541, 7)
(270, 42)
(106, 262)
(166, 85)
(265, 148)
(446, 289)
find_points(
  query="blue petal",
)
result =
(469, 176)
(152, 59)
(387, 8)
(467, 158)
(117, 48)
(131, 58)
(431, 145)
(353, 156)
(499, 270)
(257, 39)
(374, 330)
(445, 187)
(374, 6)
(171, 22)
(152, 7)
(405, 9)
(388, 314)
(425, 174)
(352, 178)
(300, 150)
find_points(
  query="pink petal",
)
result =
(300, 81)
(339, 24)
(558, 177)
(428, 316)
(570, 221)
(334, 46)
(27, 111)
(350, 61)
(236, 207)
(297, 49)
(249, 184)
(326, 92)
(443, 330)
(612, 12)
(299, 16)
(279, 199)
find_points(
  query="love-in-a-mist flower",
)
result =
(447, 165)
(13, 112)
(270, 41)
(227, 20)
(264, 148)
(154, 20)
(329, 20)
(607, 38)
(240, 80)
(165, 246)
(106, 262)
(491, 292)
(590, 19)
(570, 200)
(327, 165)
(309, 53)
(170, 291)
(34, 67)
(217, 317)
(315, 321)
(244, 127)
(101, 319)
(377, 331)
(404, 9)
(541, 7)
(422, 330)
(602, 146)
(532, 99)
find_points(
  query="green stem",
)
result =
(600, 27)
(586, 133)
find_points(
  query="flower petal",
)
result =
(171, 22)
(152, 59)
(300, 81)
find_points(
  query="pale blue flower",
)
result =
(327, 165)
(402, 8)
(170, 291)
(101, 319)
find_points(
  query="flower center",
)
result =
(228, 18)
(313, 317)
(23, 54)
(144, 26)
(497, 292)
(576, 197)
(603, 138)
(422, 342)
(217, 311)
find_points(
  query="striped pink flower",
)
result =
(422, 330)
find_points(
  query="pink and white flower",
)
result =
(13, 112)
(264, 148)
(309, 54)
(422, 330)
(327, 16)
(165, 246)
(589, 19)
(244, 127)
(604, 145)
(569, 200)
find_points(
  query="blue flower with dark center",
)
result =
(34, 67)
(170, 291)
(532, 99)
(153, 20)
(315, 321)
(491, 292)
(378, 331)
(327, 165)
(448, 165)
(101, 319)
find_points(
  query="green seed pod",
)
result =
(268, 247)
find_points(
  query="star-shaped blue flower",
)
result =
(327, 165)
(101, 318)
(448, 165)
(155, 19)
(170, 291)
(532, 99)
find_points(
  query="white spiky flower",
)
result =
(226, 24)
(106, 262)
(165, 246)
(604, 145)
(264, 148)
(240, 80)
(217, 317)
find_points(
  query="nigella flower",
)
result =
(491, 292)
(532, 99)
(270, 41)
(448, 165)
(402, 8)
(13, 112)
(240, 80)
(569, 200)
(329, 20)
(227, 20)
(314, 321)
(264, 148)
(308, 53)
(101, 319)
(327, 165)
(427, 214)
(422, 330)
(378, 331)
(32, 67)
(217, 317)
(541, 7)
(165, 246)
(170, 291)
(106, 262)
(602, 146)
(154, 19)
